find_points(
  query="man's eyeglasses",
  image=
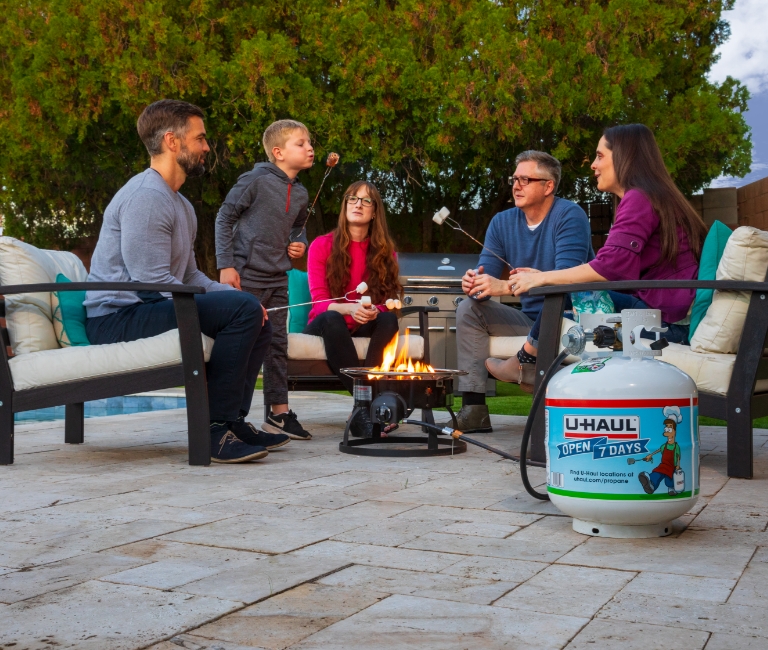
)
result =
(524, 180)
(352, 200)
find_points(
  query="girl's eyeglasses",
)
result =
(352, 200)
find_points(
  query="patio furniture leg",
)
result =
(74, 423)
(6, 434)
(195, 386)
(740, 439)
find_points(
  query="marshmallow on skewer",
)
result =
(365, 301)
(390, 304)
(398, 304)
(361, 288)
(440, 217)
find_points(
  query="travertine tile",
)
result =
(570, 590)
(636, 636)
(659, 609)
(495, 568)
(720, 641)
(419, 583)
(87, 617)
(480, 530)
(732, 517)
(287, 618)
(680, 586)
(411, 622)
(470, 515)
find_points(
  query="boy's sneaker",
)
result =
(227, 448)
(250, 435)
(288, 424)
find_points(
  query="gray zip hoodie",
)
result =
(261, 215)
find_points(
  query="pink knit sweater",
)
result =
(319, 251)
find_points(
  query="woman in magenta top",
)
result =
(358, 250)
(656, 235)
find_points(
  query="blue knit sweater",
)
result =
(561, 241)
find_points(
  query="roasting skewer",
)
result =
(442, 217)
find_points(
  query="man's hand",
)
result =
(486, 285)
(468, 280)
(296, 249)
(265, 315)
(231, 277)
(363, 315)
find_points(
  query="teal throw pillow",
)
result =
(69, 316)
(298, 291)
(712, 251)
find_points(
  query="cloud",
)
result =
(744, 55)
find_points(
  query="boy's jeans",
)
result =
(276, 361)
(232, 318)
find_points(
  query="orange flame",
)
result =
(394, 362)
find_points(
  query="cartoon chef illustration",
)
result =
(669, 467)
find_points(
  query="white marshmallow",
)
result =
(398, 304)
(390, 304)
(365, 301)
(440, 217)
(362, 288)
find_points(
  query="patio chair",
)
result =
(40, 367)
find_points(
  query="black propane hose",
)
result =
(523, 460)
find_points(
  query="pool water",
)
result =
(110, 406)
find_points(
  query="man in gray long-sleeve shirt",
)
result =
(147, 236)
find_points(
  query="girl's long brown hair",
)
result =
(638, 164)
(383, 269)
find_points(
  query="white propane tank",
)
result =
(623, 438)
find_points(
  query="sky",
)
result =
(745, 57)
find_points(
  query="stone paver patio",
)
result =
(118, 543)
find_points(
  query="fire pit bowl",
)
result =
(391, 396)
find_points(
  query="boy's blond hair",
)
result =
(278, 133)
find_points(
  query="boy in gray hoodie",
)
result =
(259, 229)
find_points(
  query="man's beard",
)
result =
(192, 165)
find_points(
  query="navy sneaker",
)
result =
(288, 424)
(249, 434)
(227, 448)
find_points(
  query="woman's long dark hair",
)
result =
(638, 165)
(383, 270)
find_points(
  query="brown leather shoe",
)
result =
(513, 372)
(472, 419)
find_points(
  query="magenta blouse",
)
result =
(632, 250)
(319, 252)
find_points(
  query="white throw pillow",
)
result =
(745, 258)
(29, 315)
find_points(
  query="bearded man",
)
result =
(148, 236)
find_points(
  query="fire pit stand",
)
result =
(393, 396)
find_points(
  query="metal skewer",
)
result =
(361, 288)
(442, 216)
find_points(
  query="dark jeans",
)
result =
(275, 370)
(232, 318)
(339, 349)
(675, 333)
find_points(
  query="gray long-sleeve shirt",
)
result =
(262, 214)
(147, 235)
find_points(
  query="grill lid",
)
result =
(434, 268)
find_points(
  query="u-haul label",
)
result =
(613, 427)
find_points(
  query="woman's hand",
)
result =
(522, 282)
(362, 314)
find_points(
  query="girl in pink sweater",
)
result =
(358, 250)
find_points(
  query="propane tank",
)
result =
(622, 432)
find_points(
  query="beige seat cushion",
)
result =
(308, 347)
(61, 365)
(710, 370)
(29, 315)
(505, 347)
(745, 258)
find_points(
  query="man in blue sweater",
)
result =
(542, 232)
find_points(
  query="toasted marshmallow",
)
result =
(398, 304)
(440, 217)
(390, 304)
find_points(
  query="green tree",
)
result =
(431, 99)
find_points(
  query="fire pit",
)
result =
(391, 392)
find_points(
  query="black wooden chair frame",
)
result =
(73, 394)
(738, 407)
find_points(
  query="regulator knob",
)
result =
(383, 413)
(575, 340)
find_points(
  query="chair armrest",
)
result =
(721, 285)
(98, 286)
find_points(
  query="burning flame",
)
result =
(394, 362)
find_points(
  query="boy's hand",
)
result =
(231, 277)
(296, 249)
(264, 315)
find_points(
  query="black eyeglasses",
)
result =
(524, 180)
(352, 200)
